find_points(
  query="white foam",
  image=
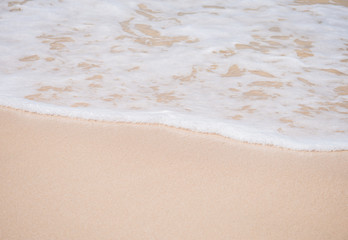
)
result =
(168, 62)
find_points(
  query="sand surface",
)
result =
(62, 178)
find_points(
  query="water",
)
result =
(270, 72)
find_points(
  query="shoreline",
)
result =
(75, 179)
(111, 120)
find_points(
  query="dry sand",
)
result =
(64, 179)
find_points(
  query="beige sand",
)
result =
(65, 179)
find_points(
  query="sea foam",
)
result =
(269, 72)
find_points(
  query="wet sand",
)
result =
(64, 178)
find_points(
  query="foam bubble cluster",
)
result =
(270, 72)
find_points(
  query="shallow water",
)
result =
(272, 72)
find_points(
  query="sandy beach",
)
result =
(89, 90)
(64, 178)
